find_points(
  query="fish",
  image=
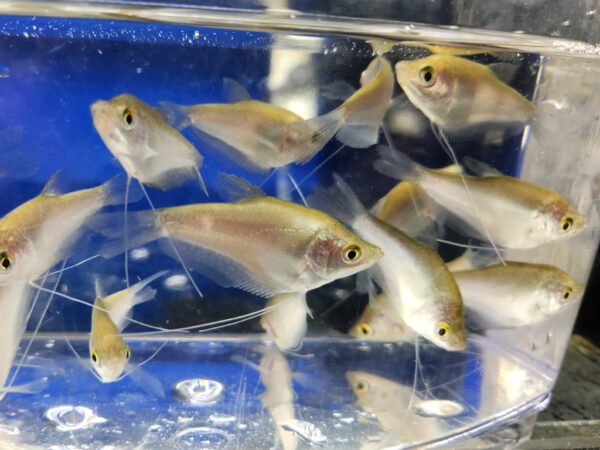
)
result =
(411, 274)
(285, 320)
(407, 207)
(516, 294)
(147, 147)
(40, 232)
(260, 244)
(390, 402)
(380, 321)
(260, 136)
(512, 213)
(456, 94)
(278, 397)
(109, 354)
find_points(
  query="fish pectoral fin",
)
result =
(234, 92)
(480, 168)
(221, 269)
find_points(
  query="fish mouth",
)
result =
(100, 109)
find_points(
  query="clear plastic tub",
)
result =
(228, 385)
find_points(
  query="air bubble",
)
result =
(439, 408)
(221, 419)
(202, 438)
(198, 391)
(71, 418)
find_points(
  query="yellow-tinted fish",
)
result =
(108, 351)
(516, 294)
(380, 321)
(37, 234)
(456, 93)
(261, 136)
(263, 245)
(412, 275)
(513, 213)
(148, 148)
(285, 321)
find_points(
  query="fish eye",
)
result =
(128, 118)
(5, 261)
(566, 223)
(128, 353)
(361, 387)
(351, 253)
(567, 293)
(443, 329)
(94, 356)
(365, 329)
(427, 75)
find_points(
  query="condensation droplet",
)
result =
(154, 428)
(202, 438)
(591, 12)
(438, 408)
(198, 391)
(71, 418)
(221, 418)
(305, 430)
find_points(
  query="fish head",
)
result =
(360, 382)
(379, 325)
(429, 83)
(123, 123)
(560, 290)
(337, 253)
(109, 358)
(18, 260)
(555, 220)
(442, 322)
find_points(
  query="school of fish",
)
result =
(280, 250)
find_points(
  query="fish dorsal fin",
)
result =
(338, 90)
(52, 185)
(339, 201)
(480, 168)
(235, 189)
(454, 169)
(234, 92)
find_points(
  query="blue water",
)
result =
(55, 70)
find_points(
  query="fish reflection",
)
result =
(381, 322)
(278, 397)
(395, 406)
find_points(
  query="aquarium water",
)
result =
(227, 386)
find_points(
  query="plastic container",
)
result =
(230, 387)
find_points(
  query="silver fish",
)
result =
(285, 321)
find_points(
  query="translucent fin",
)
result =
(115, 190)
(178, 177)
(358, 135)
(33, 387)
(472, 259)
(98, 288)
(234, 92)
(396, 165)
(148, 382)
(480, 168)
(219, 268)
(373, 69)
(321, 129)
(363, 282)
(120, 304)
(339, 201)
(175, 115)
(52, 186)
(236, 189)
(286, 325)
(338, 90)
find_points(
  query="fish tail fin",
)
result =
(178, 116)
(339, 200)
(116, 191)
(397, 165)
(322, 128)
